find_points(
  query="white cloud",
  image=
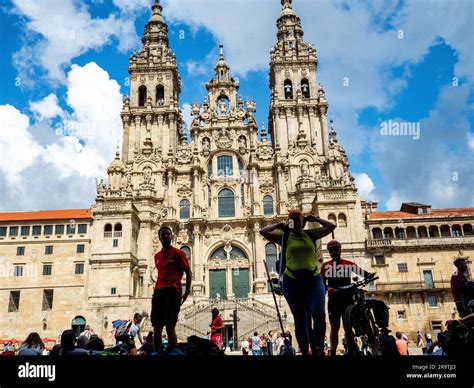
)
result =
(437, 168)
(18, 149)
(67, 31)
(365, 186)
(64, 167)
(47, 108)
(186, 110)
(132, 5)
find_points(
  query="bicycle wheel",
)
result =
(360, 338)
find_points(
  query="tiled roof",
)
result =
(68, 214)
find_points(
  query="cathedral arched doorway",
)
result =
(229, 273)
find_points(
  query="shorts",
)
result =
(165, 306)
(337, 305)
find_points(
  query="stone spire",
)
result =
(156, 30)
(332, 132)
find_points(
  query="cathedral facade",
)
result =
(215, 189)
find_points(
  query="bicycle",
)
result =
(360, 324)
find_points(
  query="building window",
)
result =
(36, 230)
(242, 195)
(305, 88)
(113, 290)
(48, 230)
(401, 315)
(428, 279)
(184, 209)
(271, 256)
(341, 220)
(209, 196)
(225, 166)
(25, 230)
(71, 229)
(115, 243)
(3, 231)
(79, 270)
(332, 218)
(59, 229)
(20, 251)
(14, 303)
(288, 87)
(388, 233)
(226, 203)
(48, 250)
(380, 260)
(268, 205)
(400, 233)
(142, 95)
(402, 267)
(108, 230)
(82, 229)
(432, 300)
(187, 252)
(47, 269)
(18, 270)
(118, 230)
(371, 286)
(241, 168)
(80, 248)
(13, 230)
(160, 95)
(48, 299)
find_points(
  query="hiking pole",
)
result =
(274, 299)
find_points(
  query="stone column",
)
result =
(324, 128)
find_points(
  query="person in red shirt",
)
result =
(338, 273)
(168, 297)
(217, 325)
(461, 287)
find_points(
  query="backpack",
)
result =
(121, 327)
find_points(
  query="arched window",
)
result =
(332, 218)
(142, 95)
(237, 253)
(225, 166)
(187, 252)
(411, 232)
(160, 95)
(467, 228)
(422, 232)
(108, 230)
(341, 220)
(184, 209)
(388, 233)
(226, 203)
(242, 194)
(457, 232)
(377, 234)
(400, 233)
(118, 230)
(267, 205)
(288, 86)
(434, 231)
(445, 232)
(271, 256)
(305, 88)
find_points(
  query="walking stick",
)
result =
(287, 341)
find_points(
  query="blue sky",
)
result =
(63, 71)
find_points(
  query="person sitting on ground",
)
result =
(95, 346)
(68, 345)
(147, 347)
(32, 346)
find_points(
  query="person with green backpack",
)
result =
(299, 268)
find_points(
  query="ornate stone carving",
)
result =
(184, 191)
(184, 153)
(223, 138)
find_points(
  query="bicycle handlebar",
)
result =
(359, 284)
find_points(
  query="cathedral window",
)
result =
(288, 86)
(187, 252)
(268, 205)
(160, 95)
(209, 196)
(226, 203)
(108, 230)
(118, 230)
(142, 95)
(209, 168)
(225, 166)
(341, 220)
(271, 256)
(184, 209)
(305, 88)
(332, 218)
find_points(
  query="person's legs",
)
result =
(157, 331)
(297, 303)
(316, 301)
(334, 337)
(172, 336)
